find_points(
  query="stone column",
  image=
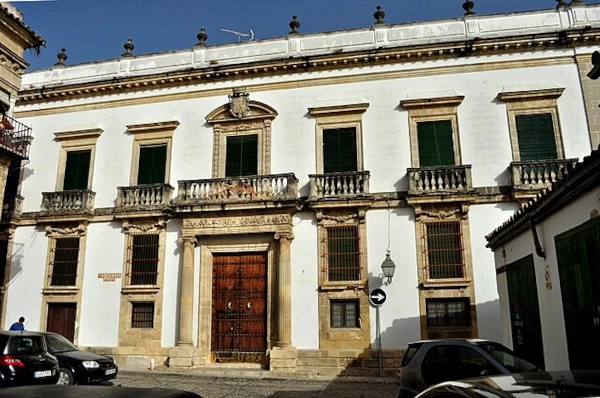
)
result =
(284, 287)
(186, 298)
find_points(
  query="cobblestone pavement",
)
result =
(262, 387)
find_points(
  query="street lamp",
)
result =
(388, 267)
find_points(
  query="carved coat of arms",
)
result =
(239, 102)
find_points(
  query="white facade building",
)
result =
(235, 202)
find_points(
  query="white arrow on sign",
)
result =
(378, 296)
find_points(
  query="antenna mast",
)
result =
(240, 34)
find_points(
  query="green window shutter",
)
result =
(436, 146)
(77, 170)
(152, 164)
(241, 156)
(339, 150)
(536, 137)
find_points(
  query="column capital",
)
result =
(190, 239)
(284, 235)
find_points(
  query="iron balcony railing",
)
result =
(342, 184)
(15, 137)
(439, 179)
(74, 202)
(144, 197)
(536, 175)
(12, 207)
(273, 187)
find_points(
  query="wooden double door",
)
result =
(61, 319)
(239, 307)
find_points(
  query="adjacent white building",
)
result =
(236, 202)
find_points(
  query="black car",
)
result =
(24, 360)
(77, 366)
(520, 385)
(429, 362)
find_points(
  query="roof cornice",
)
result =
(333, 61)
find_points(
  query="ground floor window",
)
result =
(142, 315)
(448, 312)
(344, 313)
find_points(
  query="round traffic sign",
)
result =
(377, 297)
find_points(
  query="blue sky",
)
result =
(94, 30)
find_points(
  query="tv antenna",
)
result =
(240, 34)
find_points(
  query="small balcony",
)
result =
(143, 198)
(236, 190)
(12, 207)
(77, 202)
(439, 180)
(534, 176)
(15, 137)
(341, 185)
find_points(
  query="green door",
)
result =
(525, 311)
(578, 257)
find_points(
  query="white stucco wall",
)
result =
(171, 284)
(400, 317)
(305, 282)
(101, 301)
(550, 301)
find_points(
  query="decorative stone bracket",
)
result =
(78, 231)
(462, 211)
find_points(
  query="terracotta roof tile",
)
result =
(40, 40)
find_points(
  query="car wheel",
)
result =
(65, 377)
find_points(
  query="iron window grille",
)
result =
(443, 250)
(143, 259)
(142, 315)
(64, 262)
(448, 312)
(343, 253)
(344, 313)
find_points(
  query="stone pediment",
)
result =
(257, 110)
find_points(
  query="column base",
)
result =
(283, 359)
(183, 357)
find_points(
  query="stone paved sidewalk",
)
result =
(217, 383)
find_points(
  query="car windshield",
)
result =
(57, 344)
(507, 358)
(26, 345)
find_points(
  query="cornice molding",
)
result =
(153, 127)
(338, 61)
(550, 93)
(78, 134)
(432, 102)
(337, 109)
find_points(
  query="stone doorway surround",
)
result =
(227, 233)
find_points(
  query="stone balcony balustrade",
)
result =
(246, 189)
(77, 202)
(439, 180)
(145, 197)
(339, 185)
(12, 207)
(537, 175)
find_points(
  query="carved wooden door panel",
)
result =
(239, 316)
(61, 319)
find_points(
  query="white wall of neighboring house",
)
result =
(550, 300)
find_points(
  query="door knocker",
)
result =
(229, 306)
(249, 305)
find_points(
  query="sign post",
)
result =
(377, 297)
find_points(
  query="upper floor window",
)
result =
(436, 147)
(533, 122)
(76, 162)
(536, 136)
(143, 259)
(65, 260)
(343, 253)
(152, 164)
(241, 156)
(151, 158)
(339, 137)
(433, 127)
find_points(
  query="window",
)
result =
(343, 253)
(77, 170)
(57, 344)
(444, 247)
(448, 312)
(241, 156)
(339, 150)
(344, 313)
(142, 315)
(144, 259)
(536, 137)
(454, 362)
(436, 147)
(64, 263)
(152, 164)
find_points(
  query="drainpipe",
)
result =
(539, 250)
